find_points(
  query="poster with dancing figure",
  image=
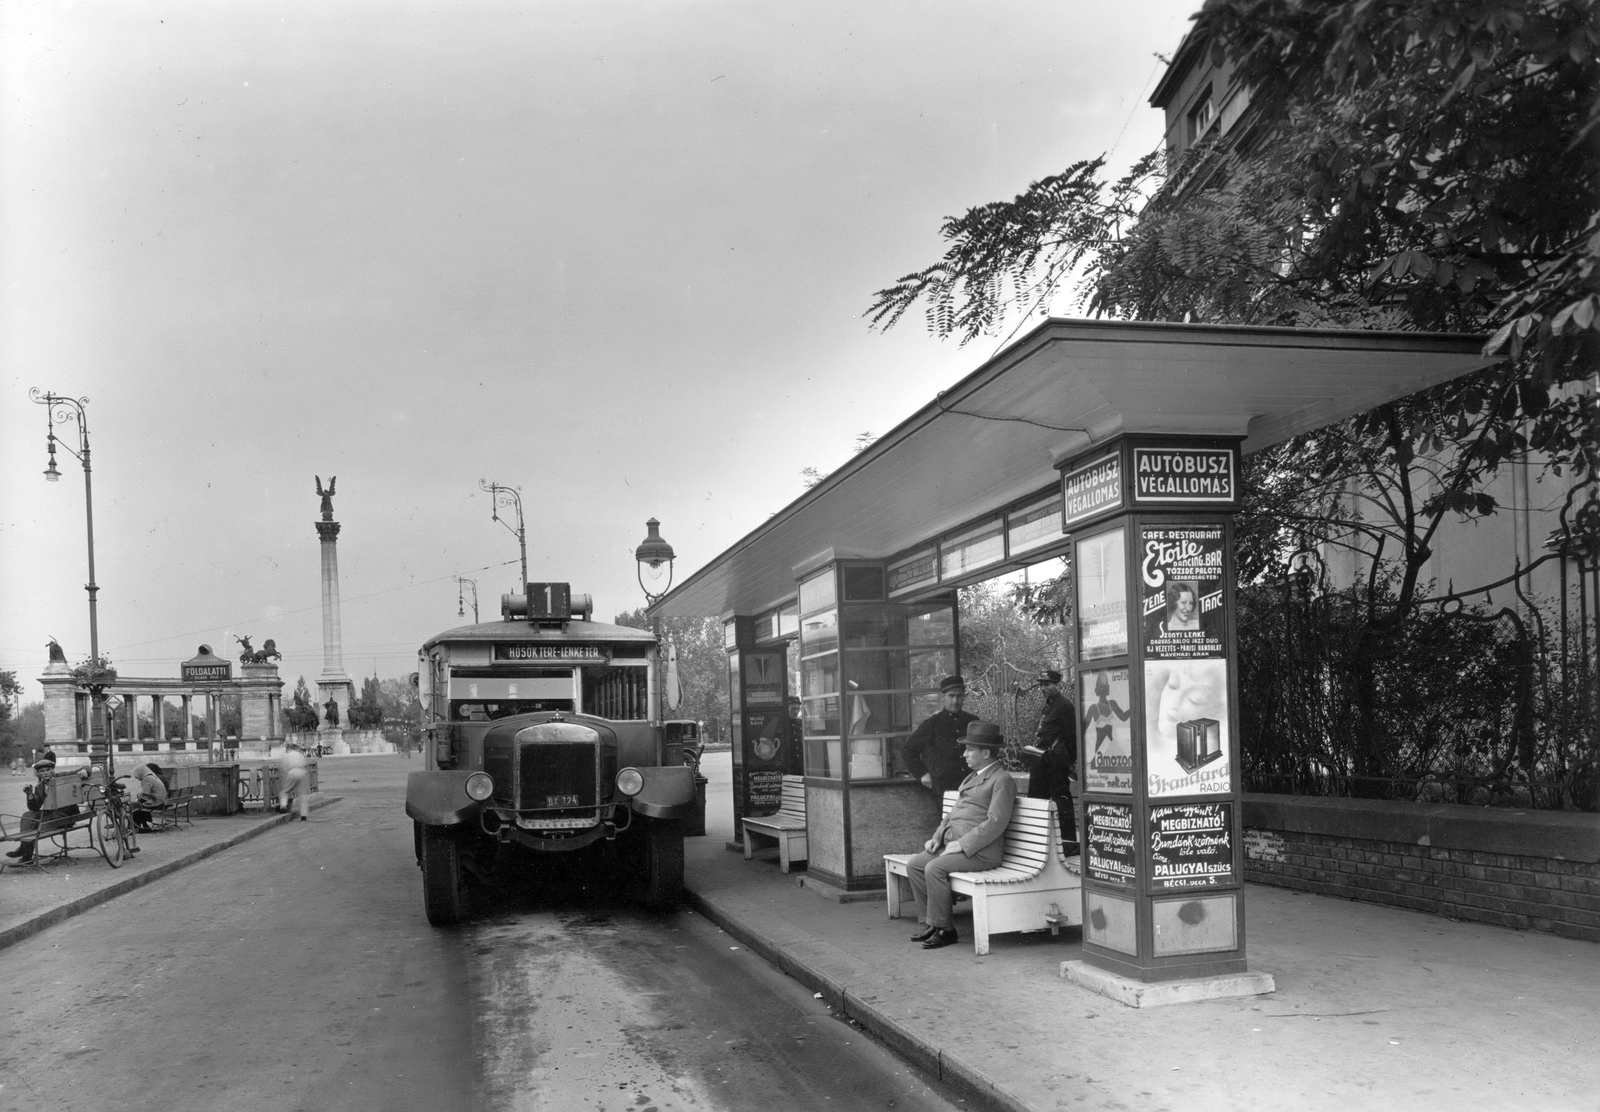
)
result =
(1188, 750)
(1107, 733)
(1180, 572)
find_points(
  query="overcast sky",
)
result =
(614, 253)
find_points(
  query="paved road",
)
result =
(297, 972)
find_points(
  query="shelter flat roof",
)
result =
(1067, 386)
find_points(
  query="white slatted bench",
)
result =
(1017, 895)
(788, 826)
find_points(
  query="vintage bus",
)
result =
(542, 739)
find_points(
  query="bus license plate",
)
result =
(561, 801)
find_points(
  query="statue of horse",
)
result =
(269, 651)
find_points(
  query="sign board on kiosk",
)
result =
(1151, 524)
(766, 729)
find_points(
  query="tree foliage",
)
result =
(366, 712)
(702, 668)
(1410, 164)
(1425, 165)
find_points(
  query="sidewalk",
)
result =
(1375, 1007)
(31, 900)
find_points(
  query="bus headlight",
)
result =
(480, 786)
(630, 782)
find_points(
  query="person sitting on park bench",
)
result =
(152, 797)
(969, 840)
(36, 816)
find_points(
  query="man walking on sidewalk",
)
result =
(296, 780)
(969, 840)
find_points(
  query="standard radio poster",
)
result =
(1191, 845)
(1187, 750)
(1111, 859)
(1107, 733)
(1180, 573)
(1102, 596)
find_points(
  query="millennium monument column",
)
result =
(335, 690)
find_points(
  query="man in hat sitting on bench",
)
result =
(969, 840)
(36, 819)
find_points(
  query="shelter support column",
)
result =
(1163, 893)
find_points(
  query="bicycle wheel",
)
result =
(109, 838)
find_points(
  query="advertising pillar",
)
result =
(1151, 521)
(765, 729)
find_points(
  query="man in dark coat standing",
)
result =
(934, 751)
(1058, 737)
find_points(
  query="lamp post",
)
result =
(653, 552)
(64, 409)
(461, 610)
(509, 496)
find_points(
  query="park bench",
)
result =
(183, 782)
(1033, 887)
(52, 841)
(788, 826)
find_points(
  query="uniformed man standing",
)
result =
(934, 751)
(1058, 737)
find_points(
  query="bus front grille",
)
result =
(557, 775)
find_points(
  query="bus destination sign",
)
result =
(1087, 490)
(526, 651)
(1203, 475)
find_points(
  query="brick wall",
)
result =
(1534, 870)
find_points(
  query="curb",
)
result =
(973, 1083)
(12, 935)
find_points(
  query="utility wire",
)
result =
(306, 609)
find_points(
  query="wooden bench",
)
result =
(788, 826)
(1033, 887)
(183, 782)
(51, 841)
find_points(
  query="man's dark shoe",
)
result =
(944, 936)
(18, 853)
(924, 934)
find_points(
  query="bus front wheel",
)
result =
(442, 878)
(662, 882)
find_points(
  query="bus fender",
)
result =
(438, 797)
(668, 792)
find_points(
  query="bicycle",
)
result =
(112, 828)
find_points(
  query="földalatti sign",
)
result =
(1184, 475)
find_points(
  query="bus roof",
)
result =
(577, 632)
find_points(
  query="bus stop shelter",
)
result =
(1108, 441)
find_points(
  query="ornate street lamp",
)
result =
(63, 409)
(509, 496)
(461, 610)
(651, 554)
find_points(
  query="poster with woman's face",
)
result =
(1107, 733)
(1187, 747)
(1180, 574)
(1102, 596)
